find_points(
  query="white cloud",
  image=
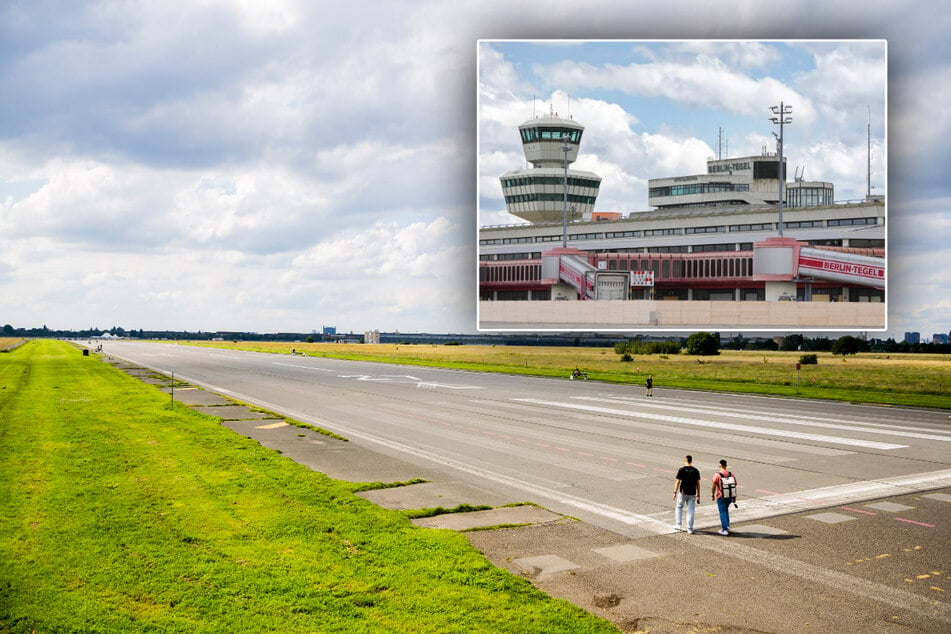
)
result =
(701, 82)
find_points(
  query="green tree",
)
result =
(792, 342)
(703, 343)
(849, 345)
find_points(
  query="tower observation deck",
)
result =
(537, 194)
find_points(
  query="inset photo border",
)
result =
(678, 185)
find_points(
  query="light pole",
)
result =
(565, 147)
(781, 111)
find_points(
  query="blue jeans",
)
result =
(691, 502)
(723, 504)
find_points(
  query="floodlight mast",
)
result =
(781, 110)
(565, 147)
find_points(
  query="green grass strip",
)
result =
(121, 514)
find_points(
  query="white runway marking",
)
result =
(387, 378)
(789, 419)
(302, 367)
(854, 442)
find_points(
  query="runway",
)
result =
(606, 454)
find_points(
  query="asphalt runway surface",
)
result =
(832, 495)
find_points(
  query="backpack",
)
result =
(728, 485)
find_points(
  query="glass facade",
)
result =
(528, 181)
(528, 198)
(845, 222)
(546, 133)
(697, 188)
(809, 196)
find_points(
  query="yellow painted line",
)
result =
(272, 425)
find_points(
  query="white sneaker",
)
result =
(677, 527)
(723, 532)
(690, 531)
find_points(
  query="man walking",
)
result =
(650, 384)
(724, 492)
(686, 492)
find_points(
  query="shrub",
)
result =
(809, 359)
(627, 358)
(636, 346)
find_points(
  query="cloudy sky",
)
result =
(657, 109)
(284, 165)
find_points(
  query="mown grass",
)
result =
(922, 380)
(120, 513)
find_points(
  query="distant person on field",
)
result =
(724, 492)
(650, 384)
(686, 492)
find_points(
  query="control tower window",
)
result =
(532, 135)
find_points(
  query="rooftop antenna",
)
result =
(569, 105)
(722, 144)
(533, 105)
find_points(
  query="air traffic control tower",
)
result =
(537, 194)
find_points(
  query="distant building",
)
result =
(330, 330)
(371, 336)
(912, 337)
(939, 337)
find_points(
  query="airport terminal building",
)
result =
(710, 237)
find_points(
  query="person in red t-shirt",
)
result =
(724, 492)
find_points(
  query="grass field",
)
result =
(7, 342)
(894, 379)
(119, 513)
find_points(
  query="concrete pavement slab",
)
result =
(758, 530)
(889, 507)
(625, 552)
(232, 412)
(197, 396)
(544, 565)
(435, 494)
(506, 516)
(830, 518)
